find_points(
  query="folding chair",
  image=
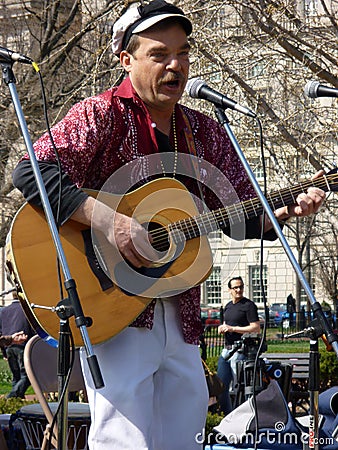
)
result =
(35, 420)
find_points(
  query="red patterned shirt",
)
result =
(103, 133)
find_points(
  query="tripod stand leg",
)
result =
(63, 369)
(239, 388)
(250, 379)
(314, 371)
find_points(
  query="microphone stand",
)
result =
(314, 331)
(71, 305)
(317, 309)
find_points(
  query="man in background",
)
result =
(240, 316)
(13, 320)
(19, 338)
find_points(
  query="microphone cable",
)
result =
(57, 220)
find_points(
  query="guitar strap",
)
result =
(194, 161)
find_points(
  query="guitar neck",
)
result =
(231, 215)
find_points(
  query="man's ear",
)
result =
(125, 60)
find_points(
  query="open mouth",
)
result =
(174, 83)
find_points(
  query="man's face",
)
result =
(159, 68)
(236, 290)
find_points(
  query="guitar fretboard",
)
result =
(221, 218)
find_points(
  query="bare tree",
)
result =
(262, 53)
(70, 41)
(326, 256)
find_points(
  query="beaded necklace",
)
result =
(175, 148)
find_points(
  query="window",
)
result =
(213, 287)
(257, 167)
(303, 295)
(257, 70)
(311, 7)
(215, 236)
(255, 285)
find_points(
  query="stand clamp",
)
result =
(64, 310)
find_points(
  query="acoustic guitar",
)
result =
(111, 291)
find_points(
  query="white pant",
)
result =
(155, 395)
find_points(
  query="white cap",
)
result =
(139, 18)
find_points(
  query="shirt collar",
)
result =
(125, 90)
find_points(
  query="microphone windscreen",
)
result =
(311, 88)
(193, 86)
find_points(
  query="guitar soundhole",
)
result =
(160, 236)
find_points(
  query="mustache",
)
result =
(170, 78)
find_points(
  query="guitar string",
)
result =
(190, 225)
(286, 194)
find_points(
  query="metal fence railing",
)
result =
(211, 342)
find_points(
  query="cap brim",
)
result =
(147, 23)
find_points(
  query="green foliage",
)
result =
(6, 379)
(288, 346)
(212, 363)
(328, 370)
(325, 306)
(275, 344)
(213, 419)
(5, 376)
(11, 405)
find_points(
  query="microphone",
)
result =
(7, 55)
(197, 88)
(313, 90)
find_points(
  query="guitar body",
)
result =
(32, 263)
(113, 293)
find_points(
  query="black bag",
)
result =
(277, 427)
(215, 384)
